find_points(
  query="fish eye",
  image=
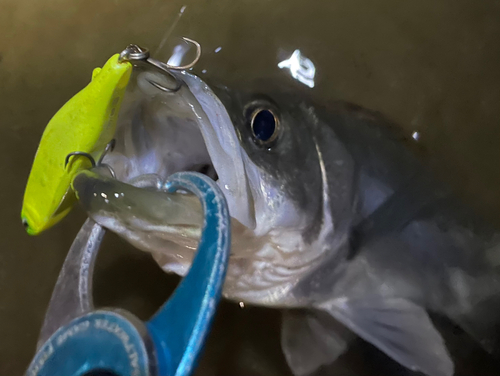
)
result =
(265, 125)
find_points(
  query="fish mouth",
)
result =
(192, 130)
(159, 134)
(189, 130)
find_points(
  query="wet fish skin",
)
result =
(350, 226)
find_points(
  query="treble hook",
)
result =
(134, 53)
(109, 147)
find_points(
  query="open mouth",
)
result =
(189, 130)
(159, 134)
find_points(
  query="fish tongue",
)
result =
(140, 213)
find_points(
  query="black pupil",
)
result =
(264, 125)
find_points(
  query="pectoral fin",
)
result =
(399, 328)
(311, 339)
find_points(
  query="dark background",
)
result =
(429, 65)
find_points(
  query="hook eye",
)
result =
(134, 53)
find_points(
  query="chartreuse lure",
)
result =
(86, 123)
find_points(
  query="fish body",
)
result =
(86, 123)
(330, 212)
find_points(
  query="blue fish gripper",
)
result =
(77, 340)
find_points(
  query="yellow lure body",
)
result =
(86, 123)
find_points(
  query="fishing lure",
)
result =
(86, 123)
(84, 126)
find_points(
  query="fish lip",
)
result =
(223, 146)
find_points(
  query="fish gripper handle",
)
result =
(113, 342)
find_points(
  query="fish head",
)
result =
(265, 156)
(280, 161)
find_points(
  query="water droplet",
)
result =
(415, 135)
(218, 49)
(242, 305)
(104, 195)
